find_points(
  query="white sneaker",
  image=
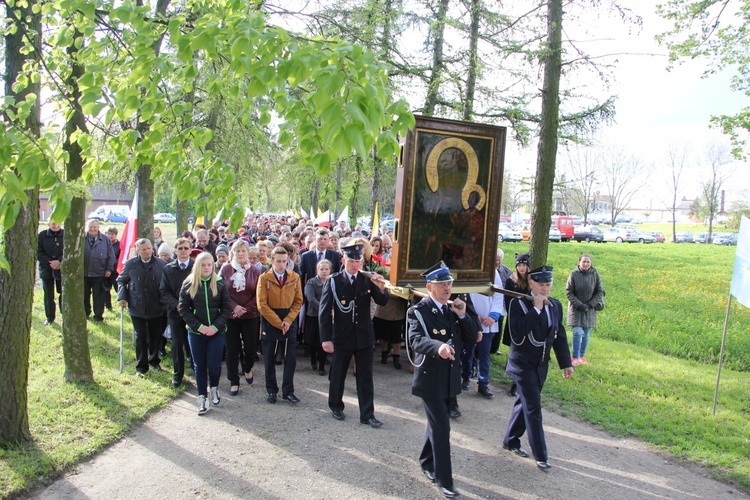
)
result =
(215, 397)
(202, 405)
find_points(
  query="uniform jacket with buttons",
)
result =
(532, 341)
(344, 314)
(429, 328)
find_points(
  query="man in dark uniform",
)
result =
(349, 331)
(49, 255)
(536, 328)
(171, 283)
(436, 334)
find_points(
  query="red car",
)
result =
(659, 236)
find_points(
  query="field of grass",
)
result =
(652, 372)
(654, 355)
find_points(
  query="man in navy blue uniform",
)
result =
(536, 329)
(436, 335)
(346, 330)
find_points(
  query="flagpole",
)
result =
(121, 333)
(721, 353)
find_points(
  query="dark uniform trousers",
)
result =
(436, 452)
(286, 348)
(529, 396)
(365, 386)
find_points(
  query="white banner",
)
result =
(740, 287)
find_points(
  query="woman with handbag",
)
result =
(585, 297)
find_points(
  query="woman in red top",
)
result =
(244, 324)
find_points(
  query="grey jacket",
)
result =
(98, 257)
(583, 287)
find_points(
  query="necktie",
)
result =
(545, 317)
(281, 280)
(320, 255)
(182, 266)
(445, 309)
(353, 278)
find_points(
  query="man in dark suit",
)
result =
(349, 332)
(536, 328)
(139, 291)
(49, 255)
(309, 260)
(436, 334)
(171, 283)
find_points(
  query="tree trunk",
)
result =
(438, 64)
(471, 79)
(17, 284)
(181, 207)
(547, 151)
(145, 186)
(356, 184)
(75, 339)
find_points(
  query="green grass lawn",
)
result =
(652, 373)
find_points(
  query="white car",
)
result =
(504, 233)
(164, 217)
(555, 234)
(620, 235)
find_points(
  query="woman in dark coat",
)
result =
(585, 296)
(205, 307)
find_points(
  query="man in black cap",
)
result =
(349, 331)
(436, 334)
(536, 328)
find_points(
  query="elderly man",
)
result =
(49, 255)
(346, 331)
(436, 334)
(536, 329)
(203, 242)
(98, 264)
(139, 292)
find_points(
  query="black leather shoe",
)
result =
(397, 362)
(176, 382)
(372, 422)
(513, 392)
(322, 371)
(455, 412)
(338, 415)
(156, 368)
(485, 391)
(465, 384)
(291, 398)
(271, 398)
(544, 465)
(517, 451)
(449, 492)
(429, 474)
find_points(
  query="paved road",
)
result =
(247, 448)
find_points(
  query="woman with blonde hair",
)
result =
(205, 307)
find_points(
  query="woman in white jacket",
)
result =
(490, 310)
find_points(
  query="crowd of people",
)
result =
(255, 294)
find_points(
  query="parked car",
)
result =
(555, 235)
(102, 211)
(620, 235)
(505, 218)
(588, 233)
(660, 238)
(164, 217)
(644, 237)
(525, 230)
(116, 217)
(703, 238)
(729, 239)
(683, 237)
(504, 233)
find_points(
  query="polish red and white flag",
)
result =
(129, 235)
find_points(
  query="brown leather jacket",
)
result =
(272, 297)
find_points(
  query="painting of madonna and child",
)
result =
(448, 193)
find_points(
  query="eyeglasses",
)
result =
(183, 248)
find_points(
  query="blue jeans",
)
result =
(482, 353)
(207, 352)
(580, 341)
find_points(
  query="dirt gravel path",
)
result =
(248, 448)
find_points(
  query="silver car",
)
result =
(620, 235)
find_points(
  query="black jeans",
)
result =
(242, 342)
(50, 286)
(287, 347)
(180, 347)
(147, 339)
(94, 286)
